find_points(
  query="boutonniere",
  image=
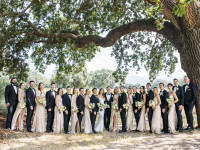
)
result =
(134, 95)
(177, 89)
(161, 94)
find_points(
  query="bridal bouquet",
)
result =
(22, 105)
(91, 106)
(170, 102)
(75, 109)
(61, 108)
(106, 106)
(151, 103)
(139, 104)
(42, 102)
(115, 106)
(101, 106)
(126, 106)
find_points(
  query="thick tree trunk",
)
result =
(190, 62)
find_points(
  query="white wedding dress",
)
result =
(100, 123)
(172, 117)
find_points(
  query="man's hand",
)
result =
(66, 112)
(136, 111)
(120, 110)
(163, 110)
(95, 113)
(7, 104)
(81, 113)
(31, 107)
(180, 107)
(147, 109)
(49, 109)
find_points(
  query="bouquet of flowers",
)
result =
(22, 105)
(106, 106)
(101, 106)
(42, 102)
(139, 104)
(115, 106)
(151, 103)
(61, 108)
(170, 102)
(91, 106)
(75, 109)
(126, 106)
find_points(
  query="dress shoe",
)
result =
(94, 132)
(8, 129)
(150, 131)
(181, 130)
(30, 131)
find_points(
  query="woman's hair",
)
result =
(102, 93)
(86, 91)
(39, 85)
(128, 90)
(116, 88)
(169, 84)
(73, 90)
(59, 91)
(143, 90)
(21, 85)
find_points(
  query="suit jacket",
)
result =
(11, 95)
(180, 95)
(190, 95)
(163, 97)
(80, 103)
(30, 97)
(109, 101)
(149, 96)
(50, 100)
(95, 100)
(67, 102)
(136, 98)
(122, 100)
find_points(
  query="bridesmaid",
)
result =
(39, 118)
(74, 119)
(129, 119)
(172, 117)
(19, 113)
(87, 122)
(142, 124)
(156, 118)
(114, 112)
(58, 115)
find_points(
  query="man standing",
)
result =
(190, 95)
(30, 104)
(11, 101)
(122, 100)
(136, 98)
(66, 98)
(164, 95)
(93, 114)
(50, 105)
(108, 100)
(149, 96)
(81, 106)
(179, 105)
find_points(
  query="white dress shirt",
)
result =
(15, 88)
(108, 96)
(54, 93)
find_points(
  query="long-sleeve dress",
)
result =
(114, 112)
(39, 122)
(87, 121)
(74, 118)
(129, 119)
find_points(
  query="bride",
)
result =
(100, 123)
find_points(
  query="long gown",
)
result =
(100, 123)
(39, 124)
(142, 123)
(87, 122)
(58, 117)
(74, 118)
(156, 118)
(172, 117)
(129, 119)
(17, 112)
(114, 113)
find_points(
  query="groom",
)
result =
(81, 106)
(122, 100)
(93, 114)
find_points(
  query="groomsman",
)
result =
(122, 100)
(81, 106)
(66, 99)
(136, 98)
(11, 101)
(179, 105)
(190, 95)
(30, 104)
(93, 114)
(149, 96)
(108, 100)
(164, 95)
(50, 105)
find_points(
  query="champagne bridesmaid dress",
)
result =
(87, 122)
(142, 123)
(129, 119)
(74, 118)
(172, 117)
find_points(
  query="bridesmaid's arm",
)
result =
(19, 95)
(144, 100)
(56, 101)
(176, 98)
(131, 99)
(159, 101)
(85, 103)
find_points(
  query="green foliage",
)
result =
(179, 8)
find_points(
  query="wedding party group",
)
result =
(52, 111)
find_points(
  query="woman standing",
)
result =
(114, 111)
(129, 119)
(58, 115)
(39, 118)
(74, 119)
(156, 118)
(172, 117)
(142, 124)
(19, 113)
(100, 123)
(87, 121)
